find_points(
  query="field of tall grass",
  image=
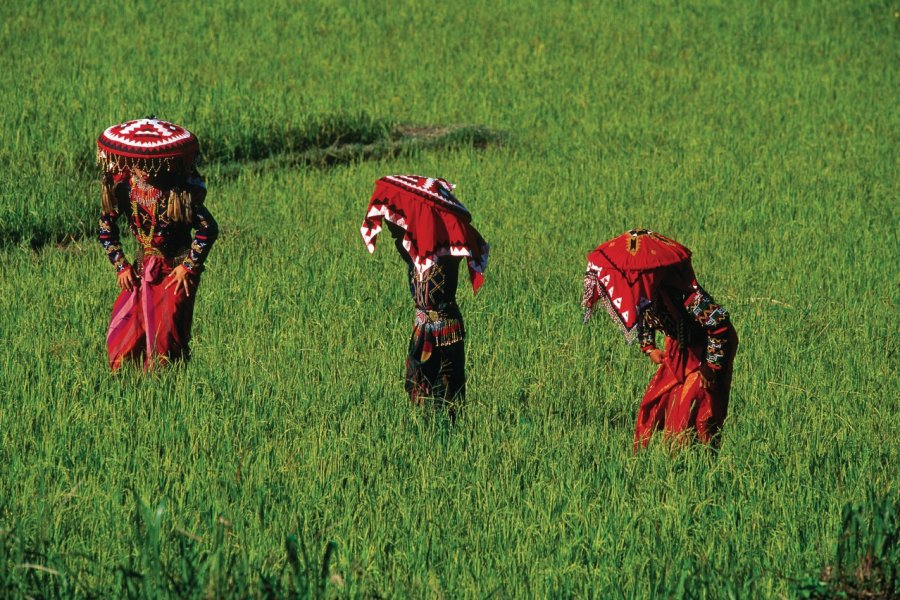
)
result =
(284, 459)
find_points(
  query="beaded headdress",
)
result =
(151, 144)
(155, 147)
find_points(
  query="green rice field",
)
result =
(285, 460)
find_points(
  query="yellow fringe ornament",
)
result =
(181, 206)
(108, 198)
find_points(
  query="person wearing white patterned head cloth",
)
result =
(433, 233)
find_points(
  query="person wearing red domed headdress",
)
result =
(647, 284)
(433, 233)
(150, 178)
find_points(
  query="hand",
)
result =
(656, 356)
(181, 277)
(706, 383)
(127, 280)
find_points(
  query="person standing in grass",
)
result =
(432, 231)
(647, 284)
(150, 177)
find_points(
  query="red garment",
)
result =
(434, 222)
(151, 321)
(674, 400)
(647, 284)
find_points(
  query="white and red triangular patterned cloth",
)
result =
(434, 222)
(623, 273)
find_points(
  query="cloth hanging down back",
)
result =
(434, 221)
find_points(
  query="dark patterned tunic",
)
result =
(435, 297)
(145, 207)
(435, 363)
(690, 318)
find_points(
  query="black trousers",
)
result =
(441, 376)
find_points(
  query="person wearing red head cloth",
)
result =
(150, 178)
(433, 233)
(647, 284)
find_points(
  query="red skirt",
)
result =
(674, 401)
(150, 323)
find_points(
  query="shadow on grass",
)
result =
(322, 142)
(397, 141)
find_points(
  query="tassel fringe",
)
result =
(181, 202)
(594, 293)
(181, 206)
(107, 194)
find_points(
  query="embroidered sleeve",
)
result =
(108, 234)
(715, 322)
(646, 336)
(207, 230)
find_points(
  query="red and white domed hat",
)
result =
(151, 143)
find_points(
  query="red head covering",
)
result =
(150, 143)
(434, 222)
(624, 273)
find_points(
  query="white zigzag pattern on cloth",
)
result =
(421, 264)
(410, 182)
(606, 293)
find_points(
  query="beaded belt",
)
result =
(439, 327)
(152, 251)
